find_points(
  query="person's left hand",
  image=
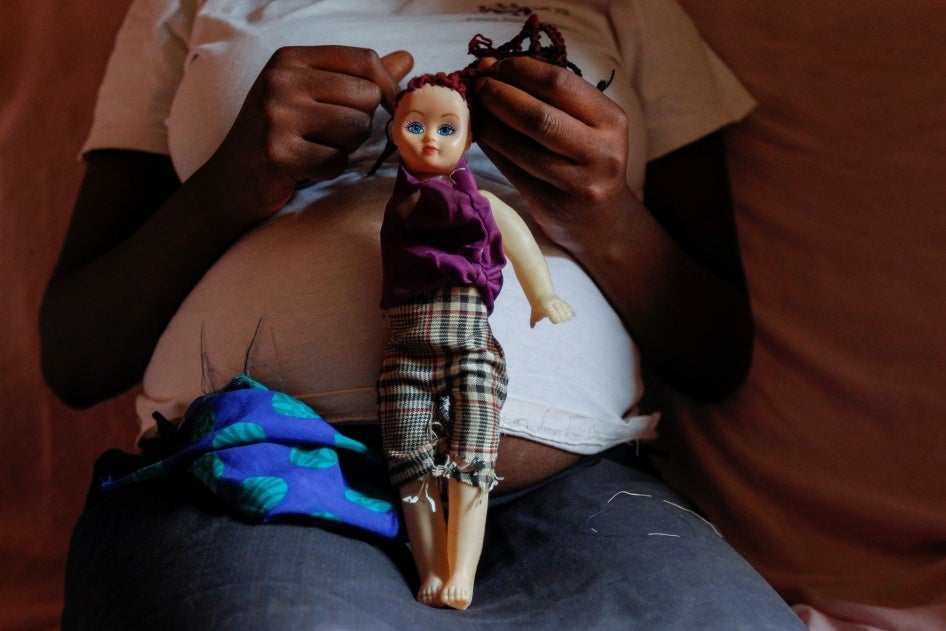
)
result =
(560, 141)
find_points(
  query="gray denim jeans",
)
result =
(602, 546)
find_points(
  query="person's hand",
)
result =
(560, 141)
(555, 309)
(309, 108)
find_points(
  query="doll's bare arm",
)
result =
(529, 263)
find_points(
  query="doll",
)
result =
(443, 379)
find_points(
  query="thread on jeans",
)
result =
(675, 505)
(628, 493)
(700, 517)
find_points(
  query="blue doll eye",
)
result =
(414, 127)
(446, 130)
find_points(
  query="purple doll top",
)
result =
(449, 238)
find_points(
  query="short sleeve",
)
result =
(686, 90)
(142, 76)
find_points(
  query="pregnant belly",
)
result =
(312, 283)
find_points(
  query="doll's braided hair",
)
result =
(532, 31)
(482, 47)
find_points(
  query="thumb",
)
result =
(534, 318)
(398, 64)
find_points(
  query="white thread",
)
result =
(628, 493)
(425, 489)
(708, 523)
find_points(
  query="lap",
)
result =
(603, 546)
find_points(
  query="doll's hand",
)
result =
(309, 108)
(555, 309)
(560, 141)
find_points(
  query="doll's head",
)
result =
(431, 124)
(448, 92)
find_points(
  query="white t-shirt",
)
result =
(175, 83)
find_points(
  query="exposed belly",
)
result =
(313, 280)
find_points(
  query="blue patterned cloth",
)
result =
(267, 455)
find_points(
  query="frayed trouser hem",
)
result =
(477, 472)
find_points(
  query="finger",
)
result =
(398, 63)
(552, 84)
(357, 62)
(529, 184)
(332, 88)
(312, 161)
(561, 312)
(529, 116)
(336, 126)
(520, 148)
(321, 107)
(558, 312)
(520, 157)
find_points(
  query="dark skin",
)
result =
(670, 266)
(140, 240)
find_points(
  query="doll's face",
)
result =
(431, 129)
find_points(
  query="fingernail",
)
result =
(486, 63)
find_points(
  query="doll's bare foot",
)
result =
(465, 531)
(458, 592)
(427, 533)
(429, 592)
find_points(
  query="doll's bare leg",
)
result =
(427, 531)
(465, 531)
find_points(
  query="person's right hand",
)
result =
(308, 110)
